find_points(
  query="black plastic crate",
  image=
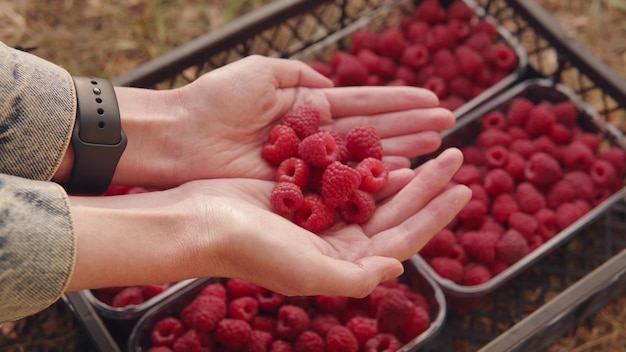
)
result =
(506, 319)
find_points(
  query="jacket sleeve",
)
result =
(37, 244)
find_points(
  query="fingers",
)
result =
(393, 162)
(397, 180)
(354, 101)
(294, 73)
(410, 146)
(426, 185)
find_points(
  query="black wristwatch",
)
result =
(98, 139)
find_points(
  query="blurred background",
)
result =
(108, 38)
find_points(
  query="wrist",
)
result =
(64, 171)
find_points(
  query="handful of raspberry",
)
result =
(322, 176)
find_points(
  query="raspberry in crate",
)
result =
(541, 165)
(233, 314)
(449, 47)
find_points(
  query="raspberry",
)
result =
(446, 64)
(528, 198)
(526, 224)
(264, 323)
(504, 57)
(304, 120)
(268, 300)
(447, 268)
(150, 291)
(243, 308)
(430, 11)
(394, 309)
(382, 342)
(358, 209)
(286, 198)
(375, 297)
(560, 192)
(322, 68)
(461, 30)
(331, 303)
(364, 142)
(436, 85)
(524, 147)
(591, 140)
(560, 134)
(234, 334)
(128, 296)
(515, 166)
(581, 182)
(415, 56)
(494, 119)
(416, 32)
(340, 339)
(416, 324)
(518, 132)
(439, 37)
(216, 289)
(480, 42)
(546, 145)
(440, 244)
(282, 143)
(322, 322)
(567, 214)
(363, 40)
(313, 215)
(452, 102)
(503, 206)
(472, 155)
(370, 60)
(351, 72)
(236, 288)
(498, 181)
(405, 76)
(193, 341)
(461, 88)
(577, 156)
(475, 274)
(480, 194)
(603, 173)
(309, 341)
(616, 156)
(339, 181)
(207, 312)
(493, 137)
(160, 349)
(486, 27)
(166, 331)
(497, 267)
(460, 11)
(363, 328)
(374, 174)
(259, 341)
(546, 218)
(319, 149)
(519, 110)
(470, 61)
(542, 169)
(387, 68)
(468, 174)
(512, 247)
(480, 245)
(473, 214)
(425, 73)
(392, 43)
(292, 321)
(540, 121)
(293, 170)
(566, 113)
(281, 346)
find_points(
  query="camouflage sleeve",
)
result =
(37, 244)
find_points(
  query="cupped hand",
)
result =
(227, 115)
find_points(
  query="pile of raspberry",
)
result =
(120, 297)
(533, 172)
(321, 176)
(235, 315)
(447, 50)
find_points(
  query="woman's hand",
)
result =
(225, 228)
(216, 126)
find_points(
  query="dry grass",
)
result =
(108, 38)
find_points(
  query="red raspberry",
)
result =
(286, 198)
(313, 215)
(363, 328)
(560, 192)
(446, 64)
(358, 209)
(243, 308)
(340, 339)
(582, 183)
(473, 214)
(512, 247)
(364, 142)
(524, 147)
(480, 245)
(331, 303)
(150, 291)
(128, 296)
(207, 311)
(268, 300)
(475, 274)
(498, 181)
(560, 134)
(616, 156)
(472, 155)
(485, 26)
(234, 334)
(430, 11)
(459, 10)
(470, 61)
(392, 43)
(540, 121)
(293, 170)
(504, 57)
(416, 32)
(542, 169)
(447, 268)
(515, 166)
(281, 346)
(577, 156)
(404, 76)
(322, 67)
(264, 323)
(480, 42)
(166, 331)
(567, 214)
(503, 206)
(415, 56)
(363, 39)
(519, 110)
(309, 341)
(319, 149)
(387, 68)
(374, 174)
(526, 224)
(479, 193)
(495, 119)
(350, 71)
(236, 288)
(497, 267)
(160, 349)
(259, 341)
(322, 322)
(193, 341)
(382, 342)
(528, 198)
(216, 289)
(566, 113)
(546, 145)
(370, 60)
(439, 37)
(518, 132)
(546, 218)
(493, 137)
(591, 140)
(304, 120)
(375, 297)
(394, 309)
(439, 245)
(603, 173)
(461, 30)
(468, 174)
(292, 321)
(416, 324)
(436, 85)
(460, 89)
(282, 143)
(339, 181)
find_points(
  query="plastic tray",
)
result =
(464, 134)
(390, 15)
(140, 336)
